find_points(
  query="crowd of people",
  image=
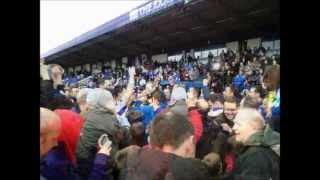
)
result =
(144, 122)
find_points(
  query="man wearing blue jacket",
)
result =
(239, 82)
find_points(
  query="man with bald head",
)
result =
(260, 157)
(49, 131)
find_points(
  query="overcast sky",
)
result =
(63, 20)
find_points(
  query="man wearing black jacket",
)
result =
(215, 139)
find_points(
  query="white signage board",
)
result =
(234, 46)
(151, 8)
(252, 43)
(124, 60)
(160, 58)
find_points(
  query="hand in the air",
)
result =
(132, 71)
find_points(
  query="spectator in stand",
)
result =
(194, 92)
(215, 165)
(216, 83)
(56, 73)
(117, 94)
(239, 82)
(251, 100)
(194, 113)
(204, 108)
(178, 100)
(216, 105)
(106, 74)
(124, 97)
(222, 127)
(49, 132)
(52, 88)
(271, 81)
(166, 96)
(100, 119)
(205, 88)
(142, 105)
(228, 92)
(171, 155)
(138, 134)
(276, 58)
(60, 162)
(208, 137)
(274, 62)
(72, 96)
(269, 52)
(230, 108)
(155, 102)
(228, 77)
(91, 84)
(137, 129)
(210, 110)
(180, 106)
(108, 84)
(142, 82)
(82, 100)
(101, 83)
(260, 159)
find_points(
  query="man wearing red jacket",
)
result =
(186, 106)
(194, 112)
(196, 121)
(195, 117)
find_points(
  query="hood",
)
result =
(71, 124)
(178, 93)
(266, 138)
(180, 107)
(101, 99)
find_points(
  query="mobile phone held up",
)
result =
(104, 140)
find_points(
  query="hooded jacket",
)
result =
(196, 121)
(260, 158)
(214, 138)
(97, 122)
(180, 107)
(239, 81)
(148, 113)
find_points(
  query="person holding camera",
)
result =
(59, 163)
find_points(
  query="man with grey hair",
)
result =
(52, 93)
(250, 101)
(260, 157)
(82, 100)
